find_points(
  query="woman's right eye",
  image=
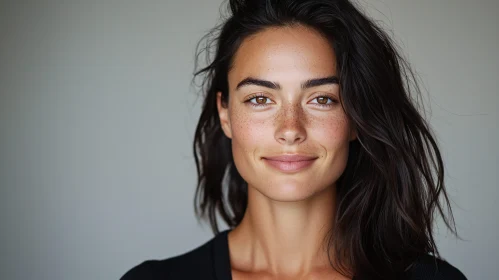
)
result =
(259, 101)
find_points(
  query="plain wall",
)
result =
(97, 117)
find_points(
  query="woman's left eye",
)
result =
(323, 100)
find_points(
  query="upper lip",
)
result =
(291, 157)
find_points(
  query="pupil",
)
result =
(260, 100)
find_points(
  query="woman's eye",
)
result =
(259, 100)
(323, 100)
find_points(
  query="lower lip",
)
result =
(289, 166)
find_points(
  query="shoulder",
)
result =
(430, 267)
(190, 265)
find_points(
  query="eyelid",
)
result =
(331, 97)
(255, 95)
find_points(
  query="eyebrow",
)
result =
(273, 85)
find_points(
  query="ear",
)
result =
(223, 114)
(353, 133)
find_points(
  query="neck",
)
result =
(283, 238)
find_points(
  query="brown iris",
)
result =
(322, 100)
(261, 100)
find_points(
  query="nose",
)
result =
(290, 129)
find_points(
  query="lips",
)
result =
(290, 163)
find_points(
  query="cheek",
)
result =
(250, 132)
(250, 135)
(331, 132)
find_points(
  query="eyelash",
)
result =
(253, 96)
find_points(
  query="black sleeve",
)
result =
(439, 270)
(447, 271)
(143, 271)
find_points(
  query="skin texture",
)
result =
(289, 213)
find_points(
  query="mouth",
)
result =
(290, 163)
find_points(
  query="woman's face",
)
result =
(290, 137)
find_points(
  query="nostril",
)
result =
(291, 137)
(290, 129)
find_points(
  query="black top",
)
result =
(211, 261)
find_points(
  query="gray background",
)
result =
(97, 118)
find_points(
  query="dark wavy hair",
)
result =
(393, 184)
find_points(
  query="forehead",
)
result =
(280, 52)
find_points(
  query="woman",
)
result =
(311, 148)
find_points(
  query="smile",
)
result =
(290, 163)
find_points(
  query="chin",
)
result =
(290, 190)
